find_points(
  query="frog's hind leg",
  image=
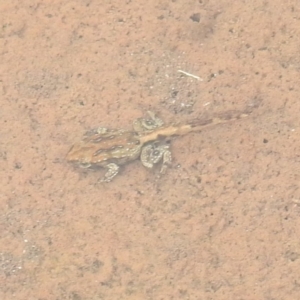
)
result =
(156, 121)
(152, 154)
(147, 124)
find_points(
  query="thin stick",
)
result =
(190, 75)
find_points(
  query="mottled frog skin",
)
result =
(110, 148)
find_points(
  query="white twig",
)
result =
(190, 75)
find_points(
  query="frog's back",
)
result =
(100, 148)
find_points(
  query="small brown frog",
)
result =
(148, 141)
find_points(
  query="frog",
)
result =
(148, 140)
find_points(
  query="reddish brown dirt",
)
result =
(223, 223)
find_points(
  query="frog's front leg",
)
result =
(112, 171)
(152, 154)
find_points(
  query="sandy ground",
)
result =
(223, 222)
